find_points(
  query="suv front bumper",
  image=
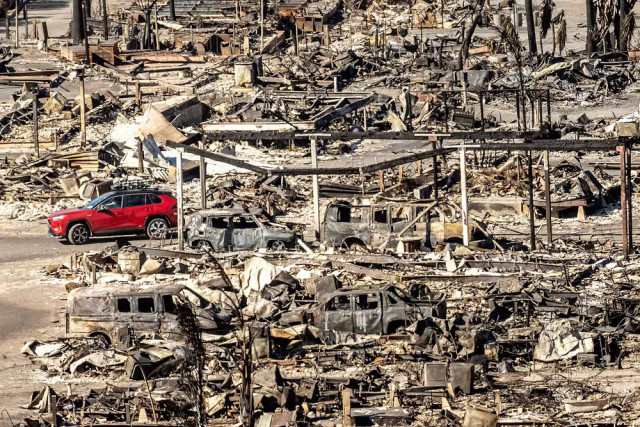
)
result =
(54, 235)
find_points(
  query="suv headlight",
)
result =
(58, 217)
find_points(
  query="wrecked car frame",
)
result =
(371, 310)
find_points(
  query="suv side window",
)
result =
(146, 305)
(153, 199)
(124, 305)
(242, 222)
(114, 202)
(219, 222)
(366, 302)
(338, 303)
(133, 200)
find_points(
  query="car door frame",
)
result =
(111, 215)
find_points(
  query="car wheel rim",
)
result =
(80, 235)
(277, 246)
(158, 228)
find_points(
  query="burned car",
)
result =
(114, 315)
(372, 310)
(237, 230)
(413, 225)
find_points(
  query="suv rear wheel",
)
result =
(278, 245)
(204, 246)
(78, 234)
(157, 228)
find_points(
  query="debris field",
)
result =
(332, 213)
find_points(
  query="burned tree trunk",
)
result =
(531, 27)
(77, 29)
(590, 26)
(466, 43)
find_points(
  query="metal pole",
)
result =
(36, 143)
(547, 196)
(623, 200)
(83, 118)
(180, 200)
(532, 230)
(316, 190)
(463, 194)
(203, 179)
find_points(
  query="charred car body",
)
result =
(371, 310)
(387, 225)
(237, 230)
(116, 314)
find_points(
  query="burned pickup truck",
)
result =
(237, 230)
(412, 225)
(372, 310)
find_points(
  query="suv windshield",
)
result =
(95, 202)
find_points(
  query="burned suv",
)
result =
(372, 310)
(237, 230)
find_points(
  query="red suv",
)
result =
(117, 212)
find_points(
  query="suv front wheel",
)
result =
(78, 234)
(157, 228)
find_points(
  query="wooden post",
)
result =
(547, 197)
(316, 189)
(532, 229)
(434, 162)
(295, 39)
(327, 38)
(623, 200)
(140, 158)
(34, 28)
(17, 25)
(261, 26)
(172, 10)
(629, 198)
(346, 407)
(86, 32)
(45, 36)
(463, 191)
(93, 274)
(381, 180)
(26, 21)
(55, 138)
(203, 179)
(155, 18)
(419, 167)
(399, 174)
(36, 143)
(53, 405)
(138, 95)
(180, 200)
(105, 21)
(83, 115)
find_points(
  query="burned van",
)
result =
(387, 225)
(114, 315)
